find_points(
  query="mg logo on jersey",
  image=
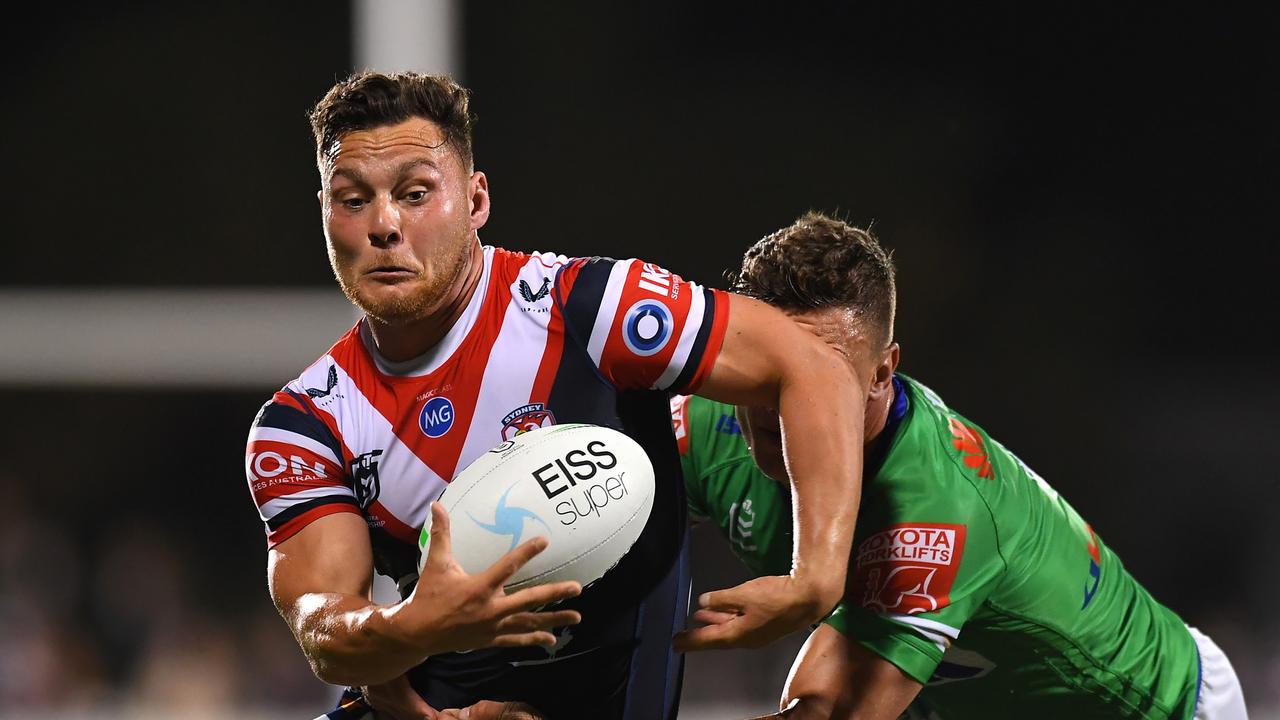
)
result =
(436, 417)
(526, 418)
(364, 477)
(909, 568)
(646, 327)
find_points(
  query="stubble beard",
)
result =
(425, 297)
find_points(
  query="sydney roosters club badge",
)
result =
(526, 418)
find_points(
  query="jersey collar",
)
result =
(431, 360)
(878, 450)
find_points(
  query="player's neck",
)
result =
(399, 342)
(878, 416)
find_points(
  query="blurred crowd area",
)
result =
(114, 619)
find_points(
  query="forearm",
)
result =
(350, 641)
(821, 434)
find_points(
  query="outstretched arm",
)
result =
(320, 581)
(769, 361)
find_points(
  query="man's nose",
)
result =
(385, 229)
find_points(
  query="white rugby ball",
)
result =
(587, 489)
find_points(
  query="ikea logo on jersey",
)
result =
(436, 417)
(647, 327)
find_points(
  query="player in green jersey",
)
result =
(970, 577)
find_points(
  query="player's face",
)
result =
(400, 215)
(839, 328)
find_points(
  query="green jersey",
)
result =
(968, 572)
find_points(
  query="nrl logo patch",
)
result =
(526, 418)
(364, 477)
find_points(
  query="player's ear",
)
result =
(478, 195)
(891, 357)
(882, 377)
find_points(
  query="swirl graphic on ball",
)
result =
(509, 520)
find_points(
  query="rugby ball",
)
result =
(587, 489)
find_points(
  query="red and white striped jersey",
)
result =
(544, 339)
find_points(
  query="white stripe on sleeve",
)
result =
(287, 437)
(275, 506)
(692, 323)
(608, 309)
(939, 634)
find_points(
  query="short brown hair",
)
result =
(819, 262)
(371, 99)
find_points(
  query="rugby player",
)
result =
(462, 346)
(972, 584)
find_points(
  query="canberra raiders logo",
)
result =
(364, 477)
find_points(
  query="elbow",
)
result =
(336, 670)
(807, 707)
(329, 671)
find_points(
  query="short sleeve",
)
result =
(923, 567)
(293, 463)
(642, 326)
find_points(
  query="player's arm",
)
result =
(768, 360)
(835, 678)
(320, 580)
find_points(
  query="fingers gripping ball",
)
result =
(587, 489)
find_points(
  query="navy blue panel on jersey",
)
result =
(699, 342)
(637, 676)
(293, 511)
(628, 617)
(583, 302)
(657, 670)
(306, 424)
(392, 556)
(579, 392)
(618, 662)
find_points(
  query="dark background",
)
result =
(1080, 205)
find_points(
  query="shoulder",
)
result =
(319, 389)
(937, 469)
(956, 446)
(508, 263)
(321, 377)
(712, 433)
